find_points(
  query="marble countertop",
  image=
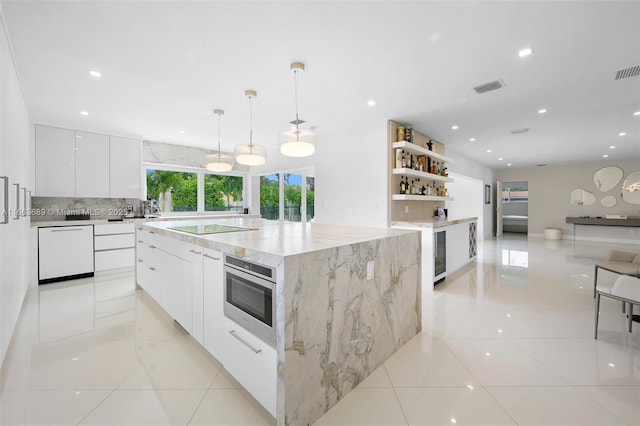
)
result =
(42, 224)
(275, 237)
(434, 222)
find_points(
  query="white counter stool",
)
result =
(552, 234)
(625, 289)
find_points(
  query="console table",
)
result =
(601, 221)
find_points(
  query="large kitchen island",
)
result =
(346, 298)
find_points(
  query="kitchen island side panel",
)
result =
(339, 326)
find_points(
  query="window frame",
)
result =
(200, 173)
(303, 193)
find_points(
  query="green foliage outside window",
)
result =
(221, 192)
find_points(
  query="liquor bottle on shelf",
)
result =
(399, 153)
(404, 160)
(430, 145)
(428, 164)
(400, 134)
(423, 190)
(402, 185)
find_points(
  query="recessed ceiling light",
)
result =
(94, 73)
(612, 147)
(488, 151)
(542, 110)
(470, 387)
(508, 164)
(499, 158)
(622, 134)
(636, 113)
(487, 353)
(605, 155)
(611, 364)
(525, 52)
(371, 103)
(84, 113)
(454, 127)
(181, 132)
(472, 139)
(453, 420)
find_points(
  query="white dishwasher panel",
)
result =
(65, 251)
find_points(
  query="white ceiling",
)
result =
(167, 64)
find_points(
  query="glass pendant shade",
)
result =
(220, 163)
(297, 143)
(250, 154)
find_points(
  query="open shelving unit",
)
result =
(413, 206)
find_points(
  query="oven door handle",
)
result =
(233, 333)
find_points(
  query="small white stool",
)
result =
(552, 234)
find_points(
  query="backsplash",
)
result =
(56, 208)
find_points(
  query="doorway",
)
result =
(514, 207)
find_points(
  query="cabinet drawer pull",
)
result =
(140, 260)
(150, 246)
(195, 252)
(211, 257)
(17, 185)
(5, 206)
(66, 230)
(140, 241)
(151, 268)
(233, 333)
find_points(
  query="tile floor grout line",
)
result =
(404, 415)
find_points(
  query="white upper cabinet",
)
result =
(92, 165)
(55, 162)
(70, 163)
(124, 167)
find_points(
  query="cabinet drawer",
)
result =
(147, 237)
(108, 242)
(252, 362)
(112, 259)
(115, 228)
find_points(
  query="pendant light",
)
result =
(296, 142)
(250, 154)
(220, 162)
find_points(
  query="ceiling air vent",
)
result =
(518, 131)
(628, 72)
(489, 86)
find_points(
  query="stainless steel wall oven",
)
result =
(249, 296)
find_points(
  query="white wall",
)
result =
(351, 176)
(466, 167)
(549, 191)
(16, 161)
(468, 199)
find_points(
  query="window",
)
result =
(270, 196)
(176, 191)
(292, 197)
(223, 193)
(311, 187)
(186, 189)
(515, 195)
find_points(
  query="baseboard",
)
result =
(589, 239)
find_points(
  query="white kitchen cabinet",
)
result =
(177, 291)
(114, 246)
(55, 162)
(124, 167)
(92, 165)
(166, 277)
(65, 251)
(252, 362)
(213, 293)
(196, 260)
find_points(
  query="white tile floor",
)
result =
(508, 341)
